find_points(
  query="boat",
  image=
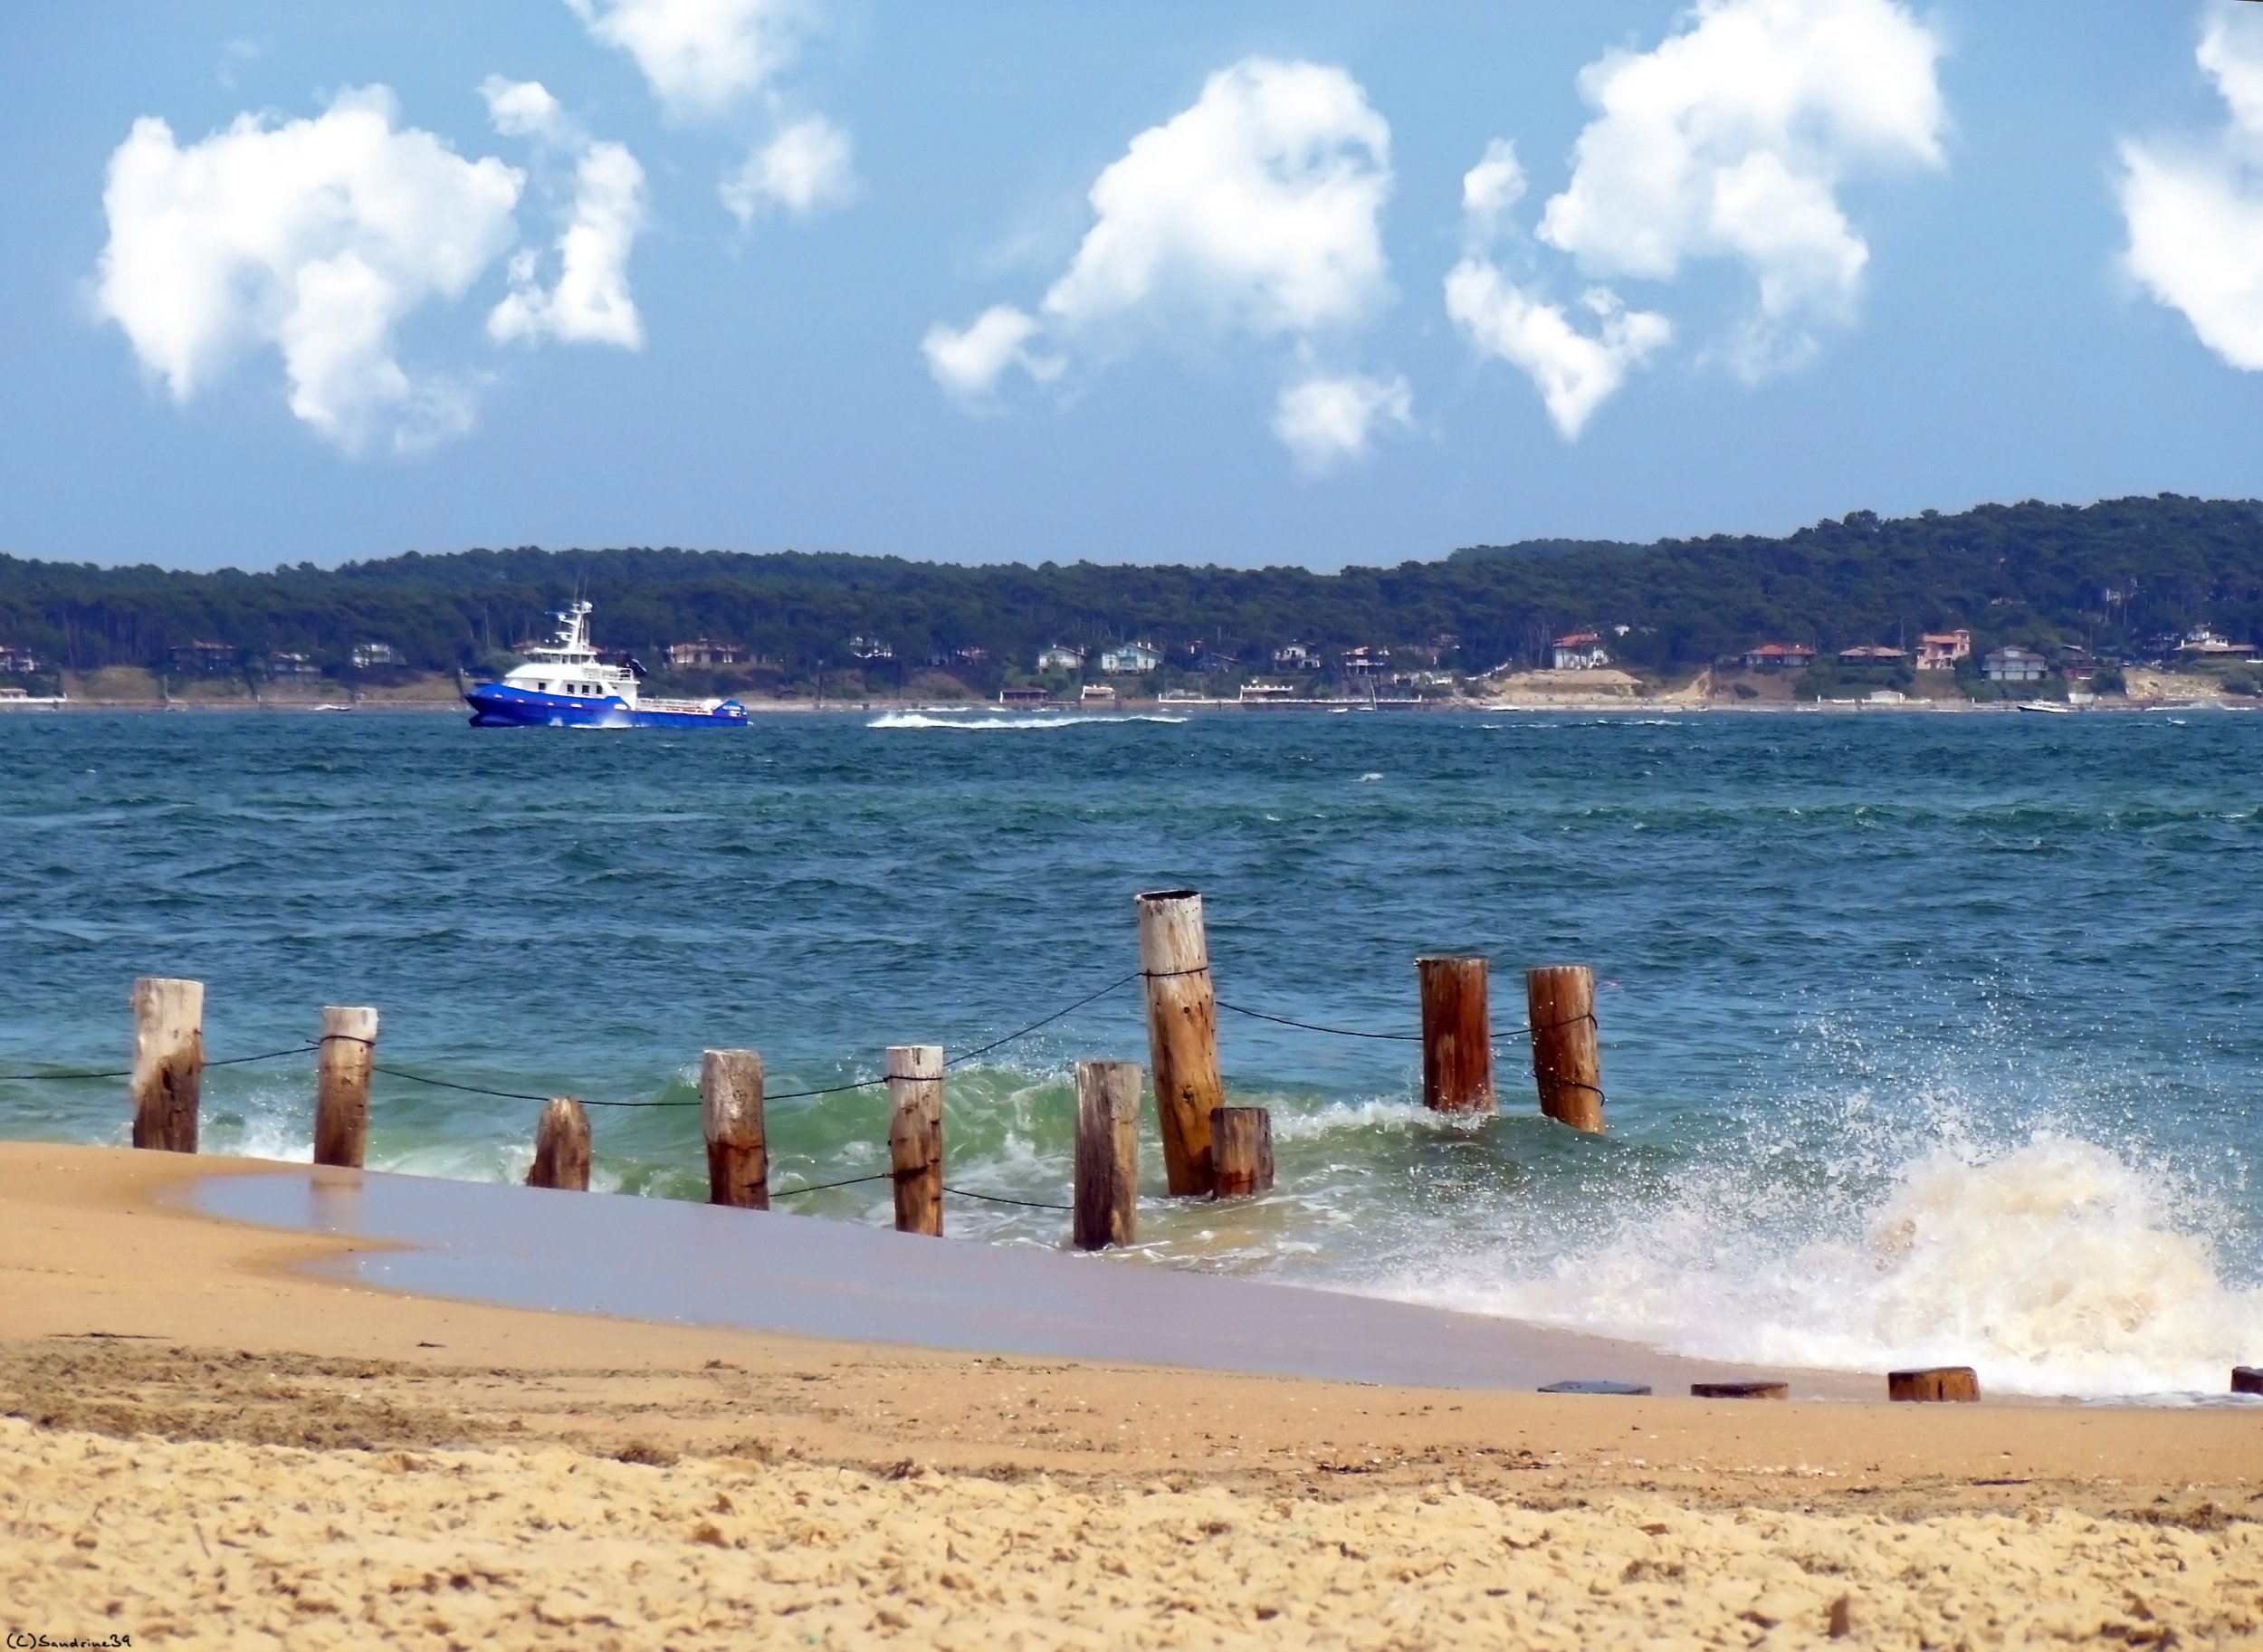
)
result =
(2048, 708)
(566, 684)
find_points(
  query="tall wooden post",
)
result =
(915, 1136)
(341, 1085)
(1456, 1035)
(1242, 1138)
(168, 1076)
(1182, 1034)
(561, 1147)
(1107, 1196)
(1566, 1063)
(730, 1111)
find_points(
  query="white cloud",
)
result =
(1490, 188)
(1731, 139)
(2195, 212)
(524, 108)
(805, 169)
(1255, 213)
(1576, 372)
(699, 56)
(317, 237)
(968, 361)
(1324, 421)
(590, 303)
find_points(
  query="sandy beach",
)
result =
(204, 1446)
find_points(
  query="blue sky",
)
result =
(1316, 282)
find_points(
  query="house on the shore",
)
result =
(1024, 694)
(17, 661)
(1778, 657)
(1873, 653)
(1943, 650)
(1097, 693)
(207, 658)
(1130, 660)
(2014, 664)
(1060, 657)
(1580, 651)
(2205, 644)
(1294, 656)
(291, 665)
(704, 650)
(370, 656)
(1268, 693)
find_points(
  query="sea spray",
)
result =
(2055, 1267)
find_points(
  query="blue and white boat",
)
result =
(566, 684)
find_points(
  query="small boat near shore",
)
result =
(566, 684)
(2047, 708)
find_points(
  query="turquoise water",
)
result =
(1924, 1037)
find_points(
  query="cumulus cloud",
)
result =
(1732, 141)
(1733, 138)
(968, 361)
(1252, 214)
(805, 169)
(700, 57)
(524, 108)
(589, 302)
(316, 238)
(1324, 421)
(2195, 211)
(1576, 372)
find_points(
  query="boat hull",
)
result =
(498, 705)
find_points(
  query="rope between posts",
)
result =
(823, 1187)
(234, 1061)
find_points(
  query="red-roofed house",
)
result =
(1941, 650)
(1581, 650)
(1778, 657)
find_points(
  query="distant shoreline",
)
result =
(1149, 708)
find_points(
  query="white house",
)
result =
(2014, 664)
(704, 650)
(1581, 650)
(1058, 658)
(1132, 660)
(368, 656)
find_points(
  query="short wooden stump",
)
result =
(1937, 1384)
(1740, 1391)
(2246, 1379)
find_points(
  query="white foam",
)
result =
(988, 723)
(2055, 1267)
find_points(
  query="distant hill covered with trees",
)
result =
(2114, 575)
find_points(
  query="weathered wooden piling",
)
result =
(1182, 1034)
(169, 1075)
(1107, 1199)
(2246, 1379)
(1456, 1035)
(1567, 1066)
(1241, 1138)
(561, 1147)
(1740, 1390)
(1935, 1384)
(341, 1085)
(731, 1113)
(915, 1136)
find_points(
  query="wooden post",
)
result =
(1242, 1138)
(915, 1136)
(169, 1077)
(341, 1085)
(1566, 1064)
(731, 1110)
(2246, 1379)
(1935, 1384)
(1456, 1035)
(561, 1147)
(1182, 1034)
(1107, 1154)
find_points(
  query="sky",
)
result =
(1308, 281)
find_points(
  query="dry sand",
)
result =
(202, 1447)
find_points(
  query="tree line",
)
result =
(2118, 576)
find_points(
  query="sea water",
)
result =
(1926, 1037)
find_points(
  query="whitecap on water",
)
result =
(979, 723)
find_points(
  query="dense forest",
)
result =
(2115, 576)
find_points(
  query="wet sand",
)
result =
(206, 1443)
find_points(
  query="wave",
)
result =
(2053, 1268)
(984, 723)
